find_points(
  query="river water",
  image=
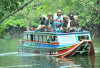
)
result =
(10, 58)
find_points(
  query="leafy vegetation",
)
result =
(7, 6)
(87, 10)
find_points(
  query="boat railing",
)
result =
(47, 39)
(48, 29)
(20, 42)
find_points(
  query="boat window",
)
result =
(55, 38)
(44, 38)
(40, 38)
(83, 37)
(31, 37)
(36, 38)
(63, 39)
(49, 39)
(26, 36)
(52, 39)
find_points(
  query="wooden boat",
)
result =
(57, 44)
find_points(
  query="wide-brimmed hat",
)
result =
(75, 16)
(44, 16)
(64, 15)
(59, 11)
(49, 13)
(67, 17)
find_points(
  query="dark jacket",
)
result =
(75, 23)
(66, 23)
(47, 22)
(71, 17)
(43, 21)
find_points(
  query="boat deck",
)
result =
(57, 33)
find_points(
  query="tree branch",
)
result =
(15, 11)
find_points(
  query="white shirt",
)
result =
(68, 24)
(58, 18)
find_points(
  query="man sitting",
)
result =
(32, 28)
(49, 23)
(58, 20)
(49, 20)
(76, 24)
(43, 23)
(67, 25)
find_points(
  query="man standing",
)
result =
(58, 20)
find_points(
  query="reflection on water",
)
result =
(52, 62)
(10, 58)
(33, 61)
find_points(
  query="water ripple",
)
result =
(10, 53)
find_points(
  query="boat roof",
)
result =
(56, 33)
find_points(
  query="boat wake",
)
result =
(97, 50)
(9, 53)
(18, 66)
(20, 54)
(29, 54)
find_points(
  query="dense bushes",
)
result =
(87, 10)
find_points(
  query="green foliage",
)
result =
(87, 10)
(7, 6)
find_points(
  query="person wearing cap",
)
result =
(43, 23)
(58, 20)
(76, 24)
(75, 21)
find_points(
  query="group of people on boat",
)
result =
(59, 22)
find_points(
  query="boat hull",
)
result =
(82, 48)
